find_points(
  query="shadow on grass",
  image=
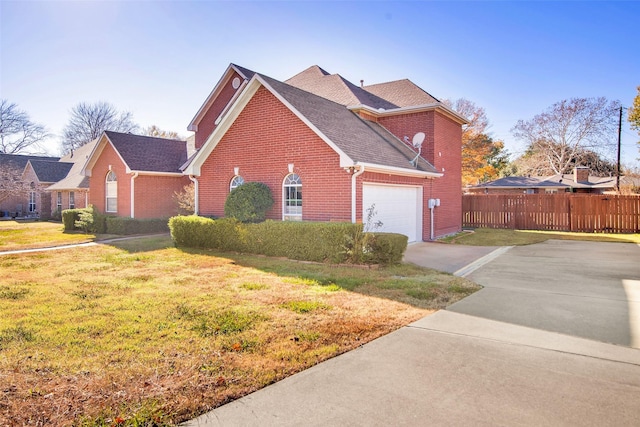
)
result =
(404, 283)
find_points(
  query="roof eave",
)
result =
(381, 112)
(393, 170)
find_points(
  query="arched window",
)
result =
(292, 196)
(111, 191)
(237, 181)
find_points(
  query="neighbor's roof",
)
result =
(74, 179)
(19, 161)
(361, 140)
(149, 154)
(554, 181)
(50, 171)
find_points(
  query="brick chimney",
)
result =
(581, 174)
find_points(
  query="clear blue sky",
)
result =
(160, 59)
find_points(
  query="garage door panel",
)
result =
(397, 207)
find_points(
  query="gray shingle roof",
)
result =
(50, 171)
(149, 154)
(19, 161)
(555, 181)
(361, 140)
(400, 93)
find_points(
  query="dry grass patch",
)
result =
(15, 235)
(146, 334)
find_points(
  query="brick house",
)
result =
(72, 191)
(21, 194)
(345, 147)
(135, 176)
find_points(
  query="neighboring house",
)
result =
(19, 198)
(135, 176)
(578, 182)
(41, 174)
(346, 148)
(72, 191)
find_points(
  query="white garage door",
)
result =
(399, 208)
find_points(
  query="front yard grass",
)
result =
(142, 333)
(498, 237)
(15, 235)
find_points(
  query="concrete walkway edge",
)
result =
(470, 268)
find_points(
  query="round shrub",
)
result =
(249, 202)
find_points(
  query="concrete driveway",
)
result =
(514, 353)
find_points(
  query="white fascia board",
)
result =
(95, 153)
(393, 170)
(345, 160)
(154, 173)
(193, 125)
(412, 109)
(225, 123)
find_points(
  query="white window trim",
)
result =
(233, 180)
(106, 192)
(286, 216)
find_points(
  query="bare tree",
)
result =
(88, 121)
(570, 127)
(156, 132)
(18, 134)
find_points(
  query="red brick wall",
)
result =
(154, 195)
(448, 160)
(207, 123)
(442, 148)
(263, 140)
(97, 182)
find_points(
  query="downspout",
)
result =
(353, 193)
(134, 175)
(195, 194)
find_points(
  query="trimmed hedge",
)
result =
(309, 241)
(249, 202)
(69, 218)
(126, 226)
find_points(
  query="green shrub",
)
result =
(70, 217)
(385, 248)
(308, 241)
(249, 202)
(126, 226)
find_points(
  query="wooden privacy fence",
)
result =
(554, 212)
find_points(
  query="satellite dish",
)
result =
(418, 139)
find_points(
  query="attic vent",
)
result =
(236, 83)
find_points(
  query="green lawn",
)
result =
(141, 333)
(16, 235)
(497, 237)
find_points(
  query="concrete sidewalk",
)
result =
(461, 367)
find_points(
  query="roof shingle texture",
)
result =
(50, 171)
(74, 180)
(149, 154)
(361, 140)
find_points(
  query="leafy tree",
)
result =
(18, 134)
(483, 158)
(534, 163)
(568, 128)
(156, 132)
(88, 121)
(249, 202)
(634, 113)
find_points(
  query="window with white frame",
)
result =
(111, 192)
(292, 197)
(72, 200)
(32, 198)
(236, 182)
(59, 201)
